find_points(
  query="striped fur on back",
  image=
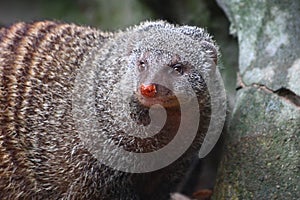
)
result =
(38, 62)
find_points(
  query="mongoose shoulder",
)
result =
(49, 70)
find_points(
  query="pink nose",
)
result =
(148, 90)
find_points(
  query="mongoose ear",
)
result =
(211, 50)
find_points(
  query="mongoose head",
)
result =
(153, 63)
(158, 62)
(168, 59)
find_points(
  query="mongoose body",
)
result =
(42, 155)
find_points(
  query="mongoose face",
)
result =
(159, 74)
(42, 152)
(169, 60)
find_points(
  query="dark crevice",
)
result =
(289, 95)
(284, 93)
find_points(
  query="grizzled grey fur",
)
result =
(41, 153)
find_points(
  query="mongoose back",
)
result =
(42, 155)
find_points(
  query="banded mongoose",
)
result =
(42, 155)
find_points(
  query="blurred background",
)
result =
(118, 14)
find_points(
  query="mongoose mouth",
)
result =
(165, 101)
(151, 94)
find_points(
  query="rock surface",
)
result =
(262, 153)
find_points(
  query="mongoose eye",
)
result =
(178, 69)
(142, 65)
